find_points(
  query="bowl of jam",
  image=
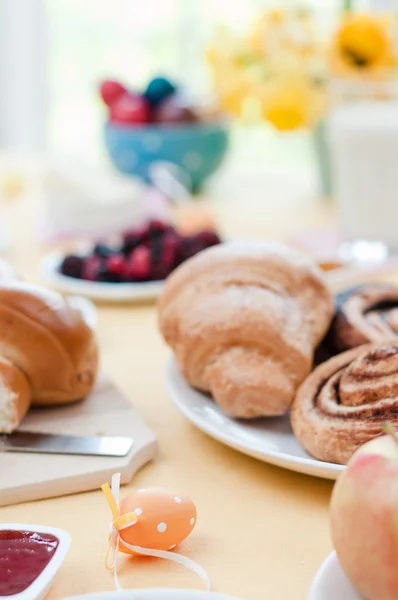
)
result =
(30, 556)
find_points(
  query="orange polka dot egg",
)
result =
(164, 519)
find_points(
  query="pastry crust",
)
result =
(346, 401)
(243, 321)
(366, 314)
(42, 335)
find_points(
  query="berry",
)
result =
(72, 266)
(164, 255)
(139, 264)
(206, 239)
(130, 109)
(158, 90)
(116, 266)
(103, 251)
(194, 244)
(157, 228)
(91, 268)
(134, 238)
(111, 91)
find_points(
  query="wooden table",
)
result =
(262, 531)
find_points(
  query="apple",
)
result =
(364, 519)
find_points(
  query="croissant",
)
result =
(346, 401)
(48, 355)
(243, 321)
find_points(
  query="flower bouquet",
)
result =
(284, 71)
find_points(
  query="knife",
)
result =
(45, 443)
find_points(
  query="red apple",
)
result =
(364, 519)
(111, 91)
(130, 109)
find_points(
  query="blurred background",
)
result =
(55, 52)
(267, 76)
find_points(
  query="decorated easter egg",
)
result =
(130, 109)
(158, 90)
(111, 90)
(174, 110)
(165, 518)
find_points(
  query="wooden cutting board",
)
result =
(26, 477)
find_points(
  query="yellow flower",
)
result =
(363, 43)
(12, 186)
(291, 102)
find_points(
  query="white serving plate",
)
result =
(331, 583)
(102, 291)
(270, 440)
(154, 594)
(41, 585)
(125, 292)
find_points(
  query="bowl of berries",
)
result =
(161, 125)
(133, 267)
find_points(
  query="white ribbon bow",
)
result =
(115, 543)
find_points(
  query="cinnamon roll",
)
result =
(346, 401)
(368, 313)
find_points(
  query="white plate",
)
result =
(39, 588)
(270, 440)
(154, 594)
(107, 292)
(331, 583)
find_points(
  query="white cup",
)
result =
(363, 138)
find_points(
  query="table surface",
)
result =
(262, 531)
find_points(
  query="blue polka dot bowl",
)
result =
(196, 149)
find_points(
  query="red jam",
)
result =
(23, 556)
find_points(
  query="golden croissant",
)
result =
(243, 321)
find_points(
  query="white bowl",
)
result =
(154, 594)
(39, 588)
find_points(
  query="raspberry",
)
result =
(116, 268)
(139, 264)
(91, 268)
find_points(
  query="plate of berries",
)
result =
(132, 268)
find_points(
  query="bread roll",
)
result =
(44, 337)
(15, 396)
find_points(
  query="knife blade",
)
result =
(46, 443)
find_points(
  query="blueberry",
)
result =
(158, 90)
(108, 276)
(72, 266)
(103, 251)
